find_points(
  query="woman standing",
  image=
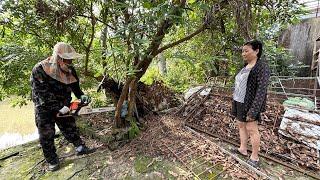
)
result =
(249, 98)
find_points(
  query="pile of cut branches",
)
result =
(212, 113)
(158, 96)
(153, 97)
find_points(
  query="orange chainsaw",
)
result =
(75, 107)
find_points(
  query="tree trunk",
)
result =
(152, 51)
(132, 98)
(93, 23)
(142, 66)
(162, 64)
(86, 62)
(123, 97)
(103, 40)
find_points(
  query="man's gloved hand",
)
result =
(64, 110)
(85, 99)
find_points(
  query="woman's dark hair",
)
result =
(255, 44)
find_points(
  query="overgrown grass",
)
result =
(16, 119)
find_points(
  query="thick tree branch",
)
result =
(93, 23)
(3, 22)
(143, 65)
(34, 33)
(91, 74)
(98, 20)
(202, 28)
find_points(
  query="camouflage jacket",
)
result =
(49, 94)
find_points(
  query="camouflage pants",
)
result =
(45, 122)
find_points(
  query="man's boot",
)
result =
(82, 149)
(53, 165)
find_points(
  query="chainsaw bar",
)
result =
(96, 110)
(87, 110)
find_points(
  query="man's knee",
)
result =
(46, 128)
(46, 133)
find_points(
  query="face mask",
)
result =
(69, 65)
(65, 67)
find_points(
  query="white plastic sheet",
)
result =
(193, 90)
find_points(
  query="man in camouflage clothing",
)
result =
(52, 81)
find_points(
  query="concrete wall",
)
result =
(300, 39)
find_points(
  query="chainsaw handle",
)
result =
(81, 105)
(77, 107)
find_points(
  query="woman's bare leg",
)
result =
(243, 137)
(253, 131)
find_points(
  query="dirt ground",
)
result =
(164, 149)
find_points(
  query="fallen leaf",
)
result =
(173, 174)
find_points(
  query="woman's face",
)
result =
(248, 54)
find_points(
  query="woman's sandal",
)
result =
(253, 163)
(236, 151)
